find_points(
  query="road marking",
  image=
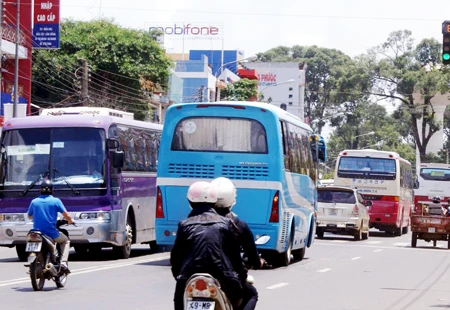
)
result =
(401, 244)
(378, 250)
(374, 242)
(339, 241)
(356, 258)
(278, 285)
(91, 269)
(406, 248)
(324, 270)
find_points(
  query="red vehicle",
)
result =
(430, 227)
(385, 179)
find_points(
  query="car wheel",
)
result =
(357, 234)
(319, 234)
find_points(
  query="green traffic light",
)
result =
(446, 56)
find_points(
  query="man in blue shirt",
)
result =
(44, 212)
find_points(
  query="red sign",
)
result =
(46, 12)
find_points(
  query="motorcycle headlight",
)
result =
(12, 217)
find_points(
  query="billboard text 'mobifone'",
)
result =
(191, 31)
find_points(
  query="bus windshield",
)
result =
(435, 174)
(74, 155)
(381, 168)
(220, 134)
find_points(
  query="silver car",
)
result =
(341, 210)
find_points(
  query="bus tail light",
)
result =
(159, 205)
(355, 212)
(275, 212)
(390, 198)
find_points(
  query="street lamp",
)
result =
(364, 134)
(251, 58)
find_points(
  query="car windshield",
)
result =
(336, 196)
(74, 155)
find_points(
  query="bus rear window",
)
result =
(220, 134)
(434, 174)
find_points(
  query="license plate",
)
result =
(431, 229)
(332, 211)
(200, 305)
(33, 246)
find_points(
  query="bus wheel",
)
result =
(434, 243)
(414, 240)
(398, 232)
(299, 254)
(21, 254)
(284, 259)
(154, 247)
(124, 251)
(405, 230)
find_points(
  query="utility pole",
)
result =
(16, 69)
(85, 82)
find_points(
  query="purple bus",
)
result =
(103, 169)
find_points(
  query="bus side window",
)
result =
(284, 137)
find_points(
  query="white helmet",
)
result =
(202, 192)
(226, 192)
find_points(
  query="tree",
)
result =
(325, 69)
(125, 67)
(411, 77)
(244, 89)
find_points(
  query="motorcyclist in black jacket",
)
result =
(226, 198)
(206, 243)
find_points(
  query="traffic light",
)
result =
(446, 42)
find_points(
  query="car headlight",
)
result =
(12, 217)
(100, 216)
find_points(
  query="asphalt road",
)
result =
(381, 273)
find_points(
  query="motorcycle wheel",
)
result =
(37, 273)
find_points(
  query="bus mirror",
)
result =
(322, 155)
(368, 203)
(415, 184)
(112, 143)
(118, 159)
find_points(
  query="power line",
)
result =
(234, 13)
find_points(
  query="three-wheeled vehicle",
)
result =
(430, 226)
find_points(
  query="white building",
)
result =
(272, 77)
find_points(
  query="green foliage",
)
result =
(411, 76)
(332, 78)
(242, 90)
(124, 64)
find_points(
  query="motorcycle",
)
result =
(203, 292)
(44, 259)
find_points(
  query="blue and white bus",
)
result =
(268, 153)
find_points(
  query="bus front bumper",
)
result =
(85, 231)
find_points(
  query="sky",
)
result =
(352, 26)
(254, 26)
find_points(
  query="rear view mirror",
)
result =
(416, 184)
(118, 159)
(368, 203)
(112, 144)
